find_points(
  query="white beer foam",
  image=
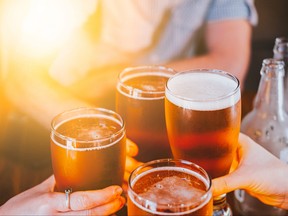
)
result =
(173, 190)
(177, 193)
(100, 132)
(202, 91)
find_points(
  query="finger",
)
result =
(220, 186)
(109, 208)
(125, 188)
(225, 184)
(106, 209)
(48, 184)
(234, 165)
(131, 164)
(126, 176)
(81, 200)
(245, 143)
(131, 148)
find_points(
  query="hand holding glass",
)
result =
(88, 149)
(203, 116)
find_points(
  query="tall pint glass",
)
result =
(140, 101)
(203, 116)
(88, 149)
(169, 187)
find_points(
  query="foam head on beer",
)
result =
(172, 190)
(169, 190)
(202, 91)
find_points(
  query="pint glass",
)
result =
(203, 116)
(88, 149)
(140, 101)
(169, 187)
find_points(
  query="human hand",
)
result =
(257, 171)
(42, 200)
(131, 163)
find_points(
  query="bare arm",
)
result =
(33, 91)
(228, 44)
(40, 97)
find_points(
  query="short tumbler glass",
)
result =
(169, 187)
(88, 149)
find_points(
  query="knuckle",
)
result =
(81, 202)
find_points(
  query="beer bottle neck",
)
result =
(280, 49)
(270, 95)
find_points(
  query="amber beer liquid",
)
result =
(203, 114)
(88, 149)
(164, 187)
(140, 101)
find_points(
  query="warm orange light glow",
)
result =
(44, 25)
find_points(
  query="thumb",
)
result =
(48, 184)
(225, 184)
(131, 148)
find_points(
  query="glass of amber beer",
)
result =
(140, 101)
(88, 149)
(169, 187)
(203, 116)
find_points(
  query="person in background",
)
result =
(72, 58)
(257, 171)
(61, 54)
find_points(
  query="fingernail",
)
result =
(123, 201)
(118, 190)
(129, 150)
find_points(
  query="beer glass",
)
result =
(140, 101)
(203, 116)
(169, 187)
(88, 149)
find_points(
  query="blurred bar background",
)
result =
(25, 163)
(273, 22)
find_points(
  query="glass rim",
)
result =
(203, 200)
(102, 111)
(208, 71)
(272, 64)
(281, 40)
(156, 70)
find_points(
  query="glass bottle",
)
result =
(267, 124)
(280, 52)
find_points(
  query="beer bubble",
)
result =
(89, 131)
(159, 186)
(173, 190)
